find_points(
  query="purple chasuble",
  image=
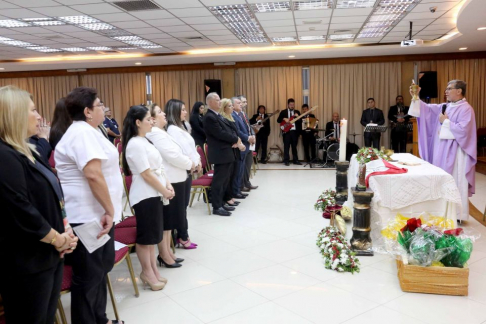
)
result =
(442, 152)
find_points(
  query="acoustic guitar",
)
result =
(287, 126)
(259, 124)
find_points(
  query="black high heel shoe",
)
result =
(162, 262)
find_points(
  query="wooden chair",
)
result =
(205, 152)
(255, 166)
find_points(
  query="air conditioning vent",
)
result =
(312, 22)
(194, 38)
(337, 31)
(136, 5)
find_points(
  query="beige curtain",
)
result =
(271, 87)
(187, 86)
(345, 89)
(470, 71)
(118, 91)
(45, 90)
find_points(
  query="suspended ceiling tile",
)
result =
(179, 4)
(322, 13)
(33, 30)
(115, 17)
(276, 23)
(131, 24)
(165, 22)
(170, 29)
(274, 15)
(368, 40)
(229, 42)
(224, 37)
(343, 30)
(313, 33)
(65, 29)
(185, 34)
(7, 5)
(312, 21)
(352, 12)
(423, 15)
(441, 6)
(285, 34)
(217, 32)
(143, 31)
(78, 2)
(416, 22)
(97, 8)
(279, 29)
(208, 27)
(152, 14)
(350, 19)
(36, 3)
(200, 20)
(20, 13)
(221, 2)
(191, 12)
(9, 31)
(304, 28)
(57, 11)
(159, 35)
(346, 26)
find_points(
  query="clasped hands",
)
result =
(239, 145)
(66, 243)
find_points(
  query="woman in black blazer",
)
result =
(196, 121)
(32, 218)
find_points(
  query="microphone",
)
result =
(444, 106)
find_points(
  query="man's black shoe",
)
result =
(297, 163)
(221, 212)
(228, 207)
(239, 196)
(287, 163)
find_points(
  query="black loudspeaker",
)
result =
(428, 83)
(212, 86)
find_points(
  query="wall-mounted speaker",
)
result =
(212, 86)
(428, 84)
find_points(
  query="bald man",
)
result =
(333, 126)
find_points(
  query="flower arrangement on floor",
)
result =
(368, 154)
(326, 203)
(336, 251)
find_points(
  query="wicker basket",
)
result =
(433, 280)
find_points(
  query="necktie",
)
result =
(336, 128)
(371, 115)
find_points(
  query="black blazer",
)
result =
(197, 132)
(220, 138)
(394, 111)
(376, 116)
(234, 130)
(330, 128)
(42, 146)
(265, 130)
(30, 208)
(285, 114)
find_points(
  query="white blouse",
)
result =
(78, 146)
(176, 163)
(142, 155)
(186, 141)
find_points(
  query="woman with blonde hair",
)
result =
(34, 233)
(226, 111)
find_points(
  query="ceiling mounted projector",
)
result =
(412, 42)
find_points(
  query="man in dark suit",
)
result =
(397, 115)
(244, 135)
(334, 126)
(221, 141)
(247, 186)
(372, 115)
(291, 137)
(309, 136)
(263, 133)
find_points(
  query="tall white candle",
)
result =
(342, 140)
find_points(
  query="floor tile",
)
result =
(221, 299)
(383, 315)
(312, 265)
(268, 313)
(281, 251)
(249, 238)
(275, 281)
(324, 303)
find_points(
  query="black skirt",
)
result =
(175, 211)
(150, 221)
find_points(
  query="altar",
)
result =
(424, 188)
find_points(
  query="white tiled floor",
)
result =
(261, 265)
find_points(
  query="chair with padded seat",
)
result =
(198, 186)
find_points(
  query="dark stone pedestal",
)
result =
(341, 182)
(361, 240)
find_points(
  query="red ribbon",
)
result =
(455, 232)
(412, 225)
(391, 170)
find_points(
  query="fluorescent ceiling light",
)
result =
(397, 2)
(388, 17)
(250, 40)
(79, 19)
(100, 48)
(379, 24)
(482, 28)
(345, 4)
(151, 46)
(74, 49)
(5, 39)
(13, 23)
(391, 9)
(448, 36)
(271, 6)
(36, 19)
(139, 42)
(125, 38)
(284, 39)
(291, 56)
(17, 43)
(97, 26)
(114, 32)
(48, 50)
(48, 23)
(126, 48)
(239, 12)
(365, 34)
(309, 38)
(312, 5)
(463, 48)
(340, 36)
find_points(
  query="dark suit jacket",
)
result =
(330, 128)
(220, 138)
(285, 114)
(376, 116)
(243, 132)
(42, 146)
(234, 129)
(265, 130)
(30, 208)
(394, 111)
(197, 132)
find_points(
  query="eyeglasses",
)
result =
(449, 89)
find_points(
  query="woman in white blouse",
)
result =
(87, 166)
(176, 113)
(149, 192)
(178, 167)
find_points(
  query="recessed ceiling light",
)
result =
(5, 39)
(139, 42)
(1, 69)
(79, 19)
(309, 38)
(125, 48)
(341, 36)
(271, 6)
(482, 28)
(17, 43)
(312, 5)
(344, 4)
(291, 56)
(100, 48)
(126, 38)
(13, 23)
(463, 48)
(138, 63)
(97, 26)
(48, 23)
(283, 39)
(74, 49)
(151, 46)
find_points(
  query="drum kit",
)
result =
(330, 151)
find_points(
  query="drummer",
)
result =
(309, 123)
(333, 126)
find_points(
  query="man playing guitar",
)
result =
(291, 137)
(263, 133)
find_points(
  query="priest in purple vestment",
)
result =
(447, 138)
